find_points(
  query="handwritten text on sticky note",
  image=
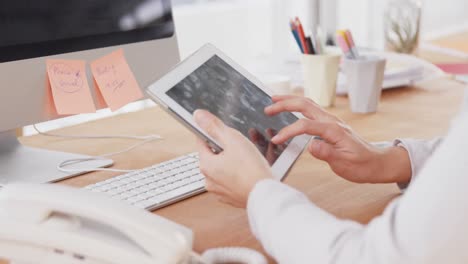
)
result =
(69, 85)
(115, 80)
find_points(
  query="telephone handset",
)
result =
(54, 224)
(54, 221)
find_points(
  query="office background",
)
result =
(256, 31)
(252, 30)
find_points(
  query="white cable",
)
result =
(233, 255)
(60, 167)
(96, 137)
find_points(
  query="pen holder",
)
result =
(320, 77)
(364, 78)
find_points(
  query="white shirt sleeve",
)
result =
(419, 152)
(426, 225)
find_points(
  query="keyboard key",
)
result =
(154, 185)
(137, 177)
(143, 189)
(147, 180)
(198, 176)
(114, 191)
(127, 180)
(125, 195)
(134, 199)
(144, 196)
(156, 192)
(182, 190)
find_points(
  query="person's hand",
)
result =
(233, 173)
(294, 103)
(348, 155)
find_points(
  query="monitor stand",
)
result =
(19, 163)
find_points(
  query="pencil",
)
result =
(300, 30)
(295, 35)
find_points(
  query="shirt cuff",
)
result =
(404, 185)
(419, 152)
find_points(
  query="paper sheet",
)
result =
(115, 80)
(69, 86)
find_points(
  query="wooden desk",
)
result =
(407, 112)
(457, 42)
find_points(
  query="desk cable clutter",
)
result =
(62, 166)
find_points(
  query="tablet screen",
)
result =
(217, 87)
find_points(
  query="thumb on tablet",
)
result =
(211, 124)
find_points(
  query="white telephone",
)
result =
(53, 224)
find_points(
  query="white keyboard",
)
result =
(156, 186)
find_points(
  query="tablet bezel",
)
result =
(158, 89)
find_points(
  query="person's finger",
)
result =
(321, 150)
(330, 132)
(209, 123)
(298, 104)
(277, 98)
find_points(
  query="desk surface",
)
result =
(457, 42)
(421, 112)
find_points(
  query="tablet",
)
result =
(210, 80)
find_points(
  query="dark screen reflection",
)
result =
(33, 28)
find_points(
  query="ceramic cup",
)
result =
(364, 79)
(320, 77)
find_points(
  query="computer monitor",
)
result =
(33, 31)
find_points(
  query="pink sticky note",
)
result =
(454, 68)
(115, 80)
(69, 85)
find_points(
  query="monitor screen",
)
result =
(36, 28)
(239, 103)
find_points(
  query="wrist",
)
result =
(252, 189)
(395, 165)
(259, 178)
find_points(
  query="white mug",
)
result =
(364, 79)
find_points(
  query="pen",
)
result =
(310, 45)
